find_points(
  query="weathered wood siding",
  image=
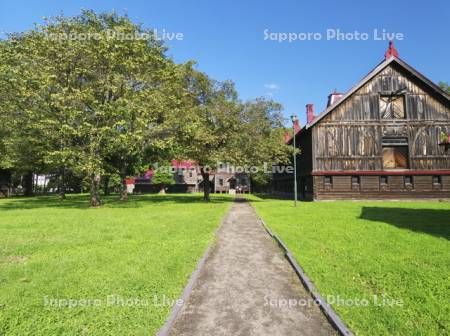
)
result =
(370, 187)
(350, 137)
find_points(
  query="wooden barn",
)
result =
(386, 138)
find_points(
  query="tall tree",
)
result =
(261, 142)
(219, 128)
(22, 143)
(102, 83)
(96, 95)
(206, 129)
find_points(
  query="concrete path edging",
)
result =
(328, 311)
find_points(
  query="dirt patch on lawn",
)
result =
(14, 260)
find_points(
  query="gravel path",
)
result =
(243, 287)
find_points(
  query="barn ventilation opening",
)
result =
(408, 180)
(395, 153)
(437, 180)
(328, 179)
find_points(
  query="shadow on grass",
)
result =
(435, 222)
(82, 201)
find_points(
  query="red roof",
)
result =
(182, 164)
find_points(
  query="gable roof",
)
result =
(372, 74)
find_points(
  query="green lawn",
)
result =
(122, 259)
(355, 250)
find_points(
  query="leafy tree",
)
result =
(219, 128)
(145, 122)
(260, 141)
(22, 143)
(261, 134)
(82, 96)
(444, 86)
(206, 129)
(96, 99)
(163, 178)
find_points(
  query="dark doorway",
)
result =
(232, 183)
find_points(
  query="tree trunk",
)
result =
(94, 189)
(123, 188)
(106, 185)
(45, 185)
(206, 185)
(28, 184)
(124, 191)
(62, 183)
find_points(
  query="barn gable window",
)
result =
(392, 107)
(395, 153)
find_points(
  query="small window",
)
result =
(408, 180)
(437, 179)
(355, 179)
(221, 182)
(392, 107)
(328, 179)
(383, 180)
(190, 173)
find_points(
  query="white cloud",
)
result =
(272, 86)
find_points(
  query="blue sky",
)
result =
(227, 40)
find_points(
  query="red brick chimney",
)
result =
(287, 136)
(296, 126)
(309, 113)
